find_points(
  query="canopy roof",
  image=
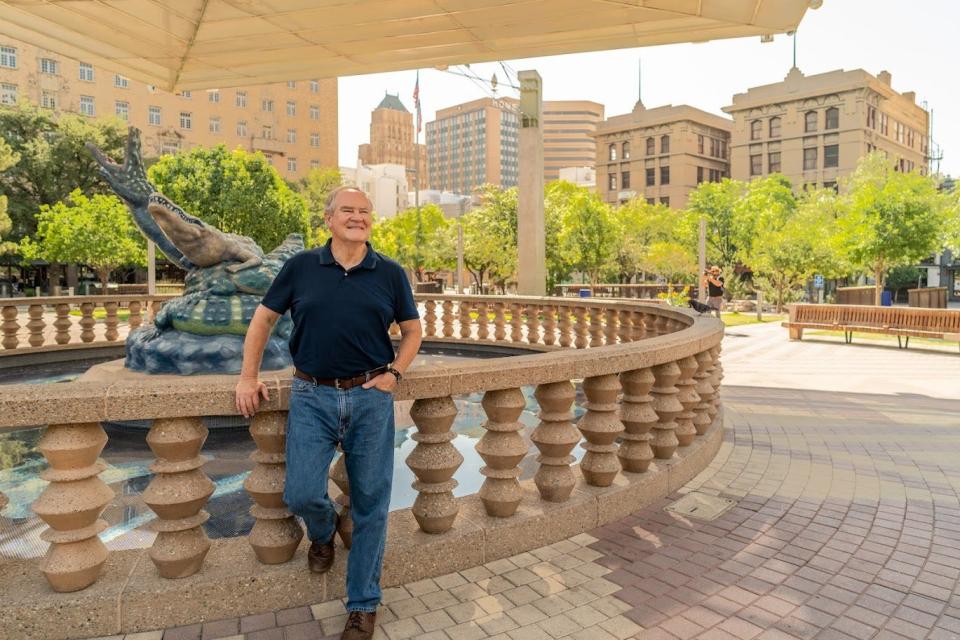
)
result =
(197, 44)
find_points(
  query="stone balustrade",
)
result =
(650, 373)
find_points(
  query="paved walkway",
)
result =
(844, 462)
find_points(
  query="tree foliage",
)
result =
(587, 233)
(490, 236)
(315, 187)
(640, 226)
(432, 248)
(52, 159)
(7, 159)
(96, 231)
(235, 191)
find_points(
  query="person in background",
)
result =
(714, 283)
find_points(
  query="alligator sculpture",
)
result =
(227, 275)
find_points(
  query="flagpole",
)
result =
(416, 186)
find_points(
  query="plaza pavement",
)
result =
(844, 462)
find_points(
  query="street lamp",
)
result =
(462, 208)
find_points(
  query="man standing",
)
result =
(342, 298)
(714, 282)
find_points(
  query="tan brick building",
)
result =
(294, 123)
(568, 128)
(660, 154)
(814, 129)
(393, 141)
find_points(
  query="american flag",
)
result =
(416, 102)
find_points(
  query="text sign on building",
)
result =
(530, 103)
(818, 281)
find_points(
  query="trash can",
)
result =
(886, 298)
(584, 293)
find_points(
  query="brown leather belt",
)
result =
(342, 383)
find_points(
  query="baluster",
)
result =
(566, 327)
(600, 426)
(625, 325)
(549, 324)
(610, 328)
(502, 448)
(35, 325)
(430, 318)
(667, 406)
(177, 494)
(533, 323)
(338, 473)
(483, 329)
(663, 325)
(62, 324)
(72, 503)
(555, 437)
(701, 421)
(596, 327)
(516, 322)
(87, 322)
(447, 318)
(717, 378)
(638, 417)
(10, 327)
(499, 322)
(276, 533)
(111, 333)
(580, 327)
(650, 325)
(689, 399)
(466, 323)
(434, 461)
(136, 315)
(155, 306)
(639, 327)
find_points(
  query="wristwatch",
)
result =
(396, 373)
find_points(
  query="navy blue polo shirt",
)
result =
(341, 319)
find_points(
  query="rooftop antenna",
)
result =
(794, 48)
(639, 104)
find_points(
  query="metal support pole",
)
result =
(151, 268)
(701, 290)
(463, 203)
(531, 246)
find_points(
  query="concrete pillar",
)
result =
(532, 265)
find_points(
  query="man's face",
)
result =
(352, 219)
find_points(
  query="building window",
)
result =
(314, 139)
(612, 182)
(292, 136)
(810, 121)
(87, 106)
(611, 152)
(700, 144)
(86, 72)
(664, 175)
(651, 177)
(773, 162)
(186, 94)
(8, 57)
(213, 95)
(810, 159)
(121, 82)
(756, 164)
(664, 144)
(153, 115)
(266, 105)
(884, 124)
(833, 118)
(267, 132)
(651, 201)
(775, 127)
(314, 86)
(48, 100)
(8, 93)
(831, 156)
(242, 129)
(314, 112)
(755, 129)
(625, 180)
(49, 66)
(122, 109)
(665, 201)
(214, 125)
(314, 164)
(291, 108)
(241, 99)
(650, 149)
(699, 175)
(872, 117)
(625, 151)
(169, 148)
(831, 184)
(186, 120)
(291, 84)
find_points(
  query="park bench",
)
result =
(903, 322)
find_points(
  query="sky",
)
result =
(915, 41)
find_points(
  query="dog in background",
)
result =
(699, 307)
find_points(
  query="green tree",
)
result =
(397, 238)
(315, 187)
(587, 234)
(671, 260)
(889, 218)
(235, 191)
(53, 161)
(765, 206)
(7, 159)
(716, 202)
(640, 225)
(96, 231)
(490, 236)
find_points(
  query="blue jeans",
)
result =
(361, 421)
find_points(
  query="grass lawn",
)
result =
(736, 318)
(878, 337)
(100, 314)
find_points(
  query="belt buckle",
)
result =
(336, 383)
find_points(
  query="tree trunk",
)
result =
(104, 279)
(878, 285)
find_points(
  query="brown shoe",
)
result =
(320, 557)
(360, 626)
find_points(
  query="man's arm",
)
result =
(411, 335)
(249, 388)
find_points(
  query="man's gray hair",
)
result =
(332, 198)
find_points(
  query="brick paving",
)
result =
(846, 527)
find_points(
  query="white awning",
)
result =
(197, 44)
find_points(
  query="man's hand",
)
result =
(384, 382)
(248, 396)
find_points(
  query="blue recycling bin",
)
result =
(886, 298)
(584, 293)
